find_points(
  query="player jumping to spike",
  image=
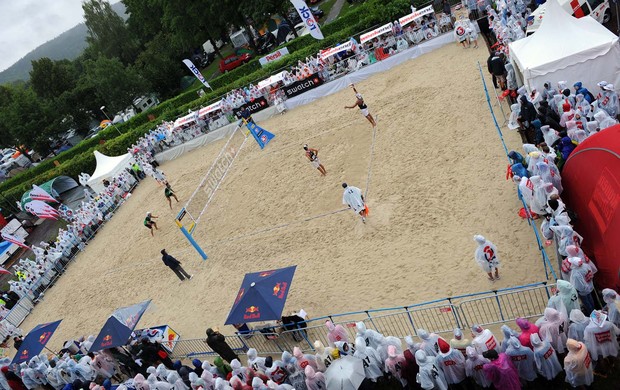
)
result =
(313, 156)
(362, 106)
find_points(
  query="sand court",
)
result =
(435, 178)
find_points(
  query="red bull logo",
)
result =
(252, 313)
(107, 341)
(265, 274)
(279, 290)
(239, 295)
(45, 336)
(24, 353)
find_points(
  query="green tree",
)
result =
(113, 84)
(107, 32)
(161, 65)
(49, 79)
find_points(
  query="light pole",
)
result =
(106, 115)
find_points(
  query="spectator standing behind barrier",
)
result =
(495, 65)
(218, 344)
(175, 266)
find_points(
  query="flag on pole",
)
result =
(197, 73)
(261, 135)
(38, 193)
(41, 209)
(15, 240)
(309, 20)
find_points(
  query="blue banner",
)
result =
(261, 135)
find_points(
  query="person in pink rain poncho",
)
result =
(527, 329)
(500, 371)
(394, 364)
(553, 328)
(314, 380)
(304, 360)
(336, 333)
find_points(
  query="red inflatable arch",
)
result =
(591, 181)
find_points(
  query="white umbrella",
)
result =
(346, 373)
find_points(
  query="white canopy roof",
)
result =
(561, 42)
(107, 167)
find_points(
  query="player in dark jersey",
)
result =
(149, 223)
(362, 106)
(169, 193)
(313, 156)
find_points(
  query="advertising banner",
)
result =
(276, 55)
(302, 86)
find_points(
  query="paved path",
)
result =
(335, 11)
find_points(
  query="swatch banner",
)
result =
(255, 105)
(306, 15)
(261, 135)
(415, 15)
(299, 87)
(196, 73)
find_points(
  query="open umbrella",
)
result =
(35, 341)
(4, 271)
(262, 296)
(117, 329)
(346, 373)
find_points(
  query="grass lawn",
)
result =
(326, 6)
(346, 8)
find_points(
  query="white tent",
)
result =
(107, 167)
(565, 48)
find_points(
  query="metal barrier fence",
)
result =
(543, 253)
(440, 316)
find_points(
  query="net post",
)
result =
(188, 234)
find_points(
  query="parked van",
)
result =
(598, 9)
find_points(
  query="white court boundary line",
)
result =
(307, 219)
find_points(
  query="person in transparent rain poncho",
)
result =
(553, 328)
(304, 360)
(600, 336)
(373, 366)
(323, 356)
(484, 340)
(430, 375)
(578, 323)
(581, 278)
(578, 364)
(486, 257)
(395, 363)
(315, 380)
(459, 341)
(451, 362)
(473, 367)
(508, 333)
(523, 359)
(429, 342)
(255, 362)
(547, 363)
(371, 337)
(612, 305)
